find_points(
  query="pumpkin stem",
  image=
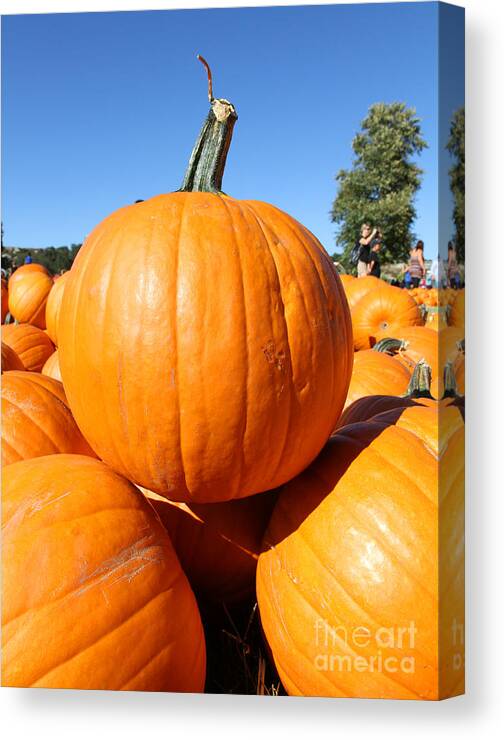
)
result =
(209, 75)
(449, 381)
(389, 346)
(420, 382)
(208, 158)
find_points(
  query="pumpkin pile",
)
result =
(211, 439)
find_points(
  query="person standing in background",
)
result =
(453, 271)
(417, 264)
(366, 237)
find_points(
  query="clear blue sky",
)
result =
(99, 109)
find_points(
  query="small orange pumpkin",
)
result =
(31, 344)
(93, 594)
(28, 297)
(36, 420)
(385, 309)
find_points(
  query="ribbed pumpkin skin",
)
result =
(382, 311)
(217, 544)
(28, 298)
(5, 299)
(22, 271)
(93, 594)
(53, 306)
(353, 545)
(32, 345)
(10, 359)
(245, 339)
(51, 366)
(359, 287)
(36, 420)
(375, 373)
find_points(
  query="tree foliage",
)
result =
(55, 259)
(381, 185)
(456, 147)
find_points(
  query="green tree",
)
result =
(456, 147)
(380, 187)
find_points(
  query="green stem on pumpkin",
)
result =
(389, 345)
(449, 381)
(420, 382)
(208, 158)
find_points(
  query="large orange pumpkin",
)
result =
(36, 420)
(31, 344)
(353, 596)
(53, 306)
(10, 359)
(384, 309)
(28, 297)
(5, 299)
(205, 342)
(376, 373)
(51, 366)
(217, 544)
(93, 594)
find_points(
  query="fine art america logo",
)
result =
(381, 640)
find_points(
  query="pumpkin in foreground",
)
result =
(217, 544)
(36, 420)
(93, 594)
(201, 336)
(353, 597)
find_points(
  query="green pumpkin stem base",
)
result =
(208, 158)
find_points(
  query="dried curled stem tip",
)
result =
(209, 75)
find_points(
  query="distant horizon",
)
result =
(102, 108)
